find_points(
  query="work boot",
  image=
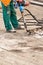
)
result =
(11, 31)
(19, 28)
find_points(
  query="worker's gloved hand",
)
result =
(21, 8)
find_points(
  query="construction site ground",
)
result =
(20, 48)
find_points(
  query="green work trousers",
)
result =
(9, 16)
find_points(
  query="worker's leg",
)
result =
(6, 17)
(13, 17)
